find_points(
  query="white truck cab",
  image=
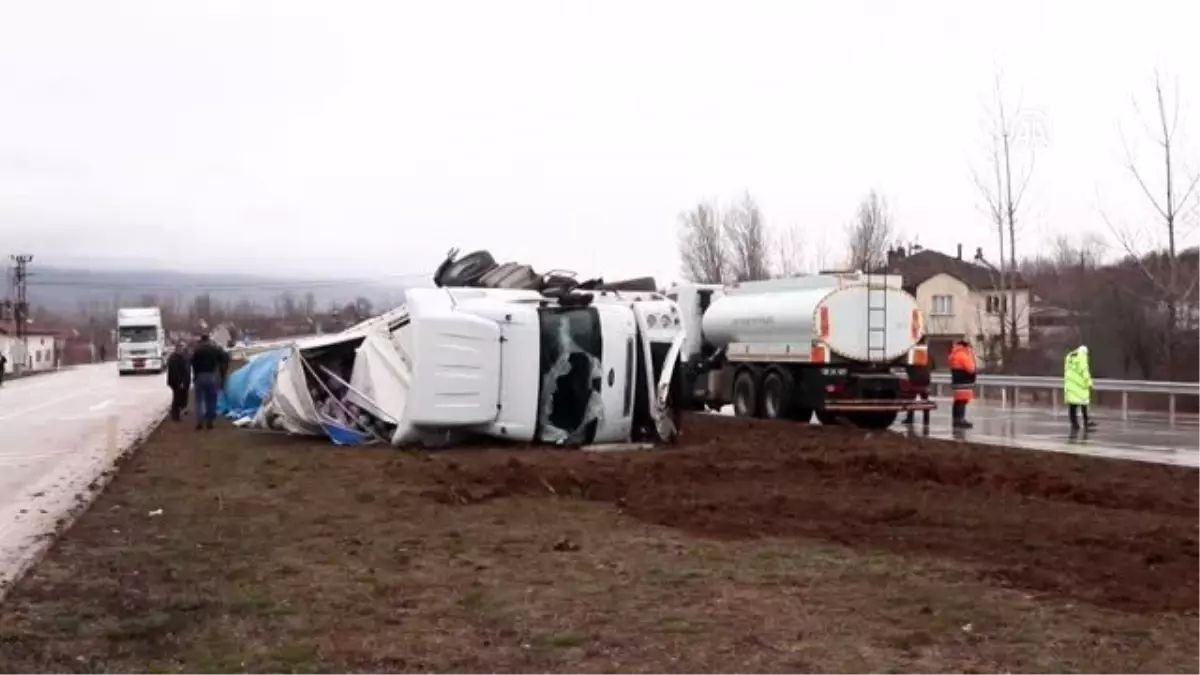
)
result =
(141, 340)
(589, 367)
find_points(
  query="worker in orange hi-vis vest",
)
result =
(962, 381)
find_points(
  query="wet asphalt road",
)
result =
(54, 441)
(1145, 437)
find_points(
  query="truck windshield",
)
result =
(569, 400)
(138, 333)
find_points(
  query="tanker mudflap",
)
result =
(563, 416)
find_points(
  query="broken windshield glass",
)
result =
(570, 406)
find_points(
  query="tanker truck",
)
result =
(833, 345)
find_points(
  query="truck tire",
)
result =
(465, 271)
(776, 394)
(745, 394)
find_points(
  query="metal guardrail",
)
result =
(1055, 385)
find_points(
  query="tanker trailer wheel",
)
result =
(745, 394)
(778, 389)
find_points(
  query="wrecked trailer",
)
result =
(570, 367)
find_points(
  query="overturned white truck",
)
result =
(574, 367)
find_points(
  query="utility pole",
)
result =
(21, 307)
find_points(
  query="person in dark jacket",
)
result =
(179, 379)
(3, 365)
(920, 377)
(209, 362)
(962, 381)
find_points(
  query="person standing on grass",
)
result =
(962, 381)
(1077, 387)
(179, 379)
(208, 367)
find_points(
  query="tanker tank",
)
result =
(794, 316)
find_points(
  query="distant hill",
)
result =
(67, 290)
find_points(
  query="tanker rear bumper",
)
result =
(878, 405)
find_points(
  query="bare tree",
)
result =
(789, 252)
(746, 241)
(870, 234)
(1172, 202)
(1003, 191)
(702, 245)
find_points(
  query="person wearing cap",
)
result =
(962, 382)
(179, 379)
(208, 367)
(1077, 386)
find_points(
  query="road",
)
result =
(1144, 437)
(55, 435)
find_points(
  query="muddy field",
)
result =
(753, 546)
(1122, 536)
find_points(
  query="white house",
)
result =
(38, 352)
(962, 299)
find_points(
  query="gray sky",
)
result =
(364, 139)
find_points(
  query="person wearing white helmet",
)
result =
(1077, 387)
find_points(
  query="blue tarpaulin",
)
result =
(247, 387)
(341, 435)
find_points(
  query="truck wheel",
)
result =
(777, 395)
(745, 394)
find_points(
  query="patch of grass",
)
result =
(300, 657)
(559, 641)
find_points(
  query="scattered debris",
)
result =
(565, 544)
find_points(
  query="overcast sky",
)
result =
(366, 138)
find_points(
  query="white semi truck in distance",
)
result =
(834, 345)
(141, 340)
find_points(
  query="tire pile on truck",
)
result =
(494, 351)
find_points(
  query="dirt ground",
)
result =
(753, 546)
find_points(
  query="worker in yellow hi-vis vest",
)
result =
(1077, 386)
